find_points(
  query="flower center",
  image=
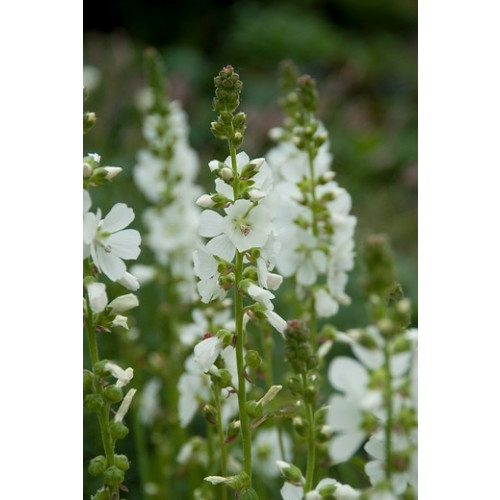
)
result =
(245, 230)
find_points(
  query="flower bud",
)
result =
(112, 172)
(118, 430)
(102, 494)
(249, 494)
(120, 321)
(113, 476)
(113, 393)
(254, 409)
(226, 173)
(233, 429)
(300, 426)
(97, 465)
(252, 359)
(93, 402)
(121, 461)
(205, 201)
(123, 303)
(290, 472)
(210, 414)
(88, 378)
(97, 296)
(270, 394)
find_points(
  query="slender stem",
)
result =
(222, 442)
(311, 448)
(312, 324)
(240, 340)
(388, 402)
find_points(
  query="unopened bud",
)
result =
(252, 359)
(290, 472)
(254, 409)
(118, 430)
(205, 201)
(113, 476)
(210, 414)
(97, 465)
(121, 461)
(113, 393)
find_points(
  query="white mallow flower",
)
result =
(206, 268)
(347, 411)
(206, 352)
(340, 491)
(376, 468)
(266, 451)
(245, 226)
(123, 377)
(193, 388)
(98, 300)
(300, 256)
(110, 242)
(325, 304)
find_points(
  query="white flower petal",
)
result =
(210, 224)
(119, 217)
(222, 247)
(343, 446)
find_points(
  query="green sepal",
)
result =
(249, 494)
(93, 402)
(113, 476)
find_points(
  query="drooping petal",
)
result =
(206, 352)
(111, 265)
(348, 375)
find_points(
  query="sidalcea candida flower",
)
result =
(109, 242)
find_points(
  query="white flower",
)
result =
(120, 321)
(206, 352)
(261, 295)
(193, 387)
(347, 411)
(206, 268)
(376, 468)
(123, 376)
(123, 303)
(276, 321)
(129, 281)
(300, 256)
(97, 297)
(324, 304)
(266, 451)
(123, 409)
(110, 242)
(245, 226)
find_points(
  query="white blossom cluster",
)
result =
(316, 234)
(246, 226)
(359, 412)
(166, 174)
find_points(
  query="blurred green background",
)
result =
(363, 56)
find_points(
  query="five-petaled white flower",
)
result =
(245, 226)
(108, 240)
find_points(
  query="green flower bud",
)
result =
(118, 430)
(102, 494)
(300, 426)
(249, 494)
(93, 402)
(252, 359)
(225, 377)
(100, 369)
(121, 461)
(295, 386)
(290, 472)
(323, 433)
(97, 465)
(327, 492)
(113, 476)
(210, 414)
(233, 429)
(88, 378)
(113, 394)
(254, 409)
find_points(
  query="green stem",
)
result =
(310, 154)
(311, 447)
(388, 402)
(222, 442)
(240, 342)
(313, 324)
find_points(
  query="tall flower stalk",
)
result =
(106, 244)
(240, 254)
